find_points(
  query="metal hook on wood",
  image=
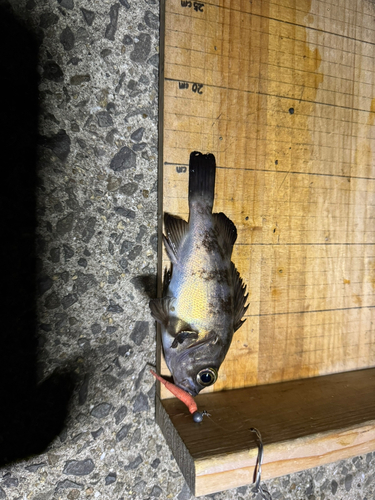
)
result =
(258, 488)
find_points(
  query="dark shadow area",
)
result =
(31, 415)
(145, 283)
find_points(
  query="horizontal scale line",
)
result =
(269, 95)
(308, 312)
(282, 171)
(302, 244)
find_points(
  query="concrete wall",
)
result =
(88, 430)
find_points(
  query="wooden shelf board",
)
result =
(304, 423)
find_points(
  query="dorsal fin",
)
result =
(175, 229)
(239, 299)
(226, 230)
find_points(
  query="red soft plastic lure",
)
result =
(183, 396)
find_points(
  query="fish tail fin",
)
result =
(202, 170)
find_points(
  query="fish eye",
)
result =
(207, 376)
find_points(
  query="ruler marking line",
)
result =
(265, 94)
(295, 172)
(314, 311)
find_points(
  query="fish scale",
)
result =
(194, 285)
(203, 295)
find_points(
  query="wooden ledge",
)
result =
(304, 423)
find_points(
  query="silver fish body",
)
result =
(203, 295)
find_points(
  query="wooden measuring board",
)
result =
(283, 94)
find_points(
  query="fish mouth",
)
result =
(187, 388)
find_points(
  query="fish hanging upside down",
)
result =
(203, 295)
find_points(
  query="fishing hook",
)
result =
(258, 488)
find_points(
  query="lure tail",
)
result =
(202, 169)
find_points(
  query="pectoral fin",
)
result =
(182, 336)
(160, 310)
(239, 298)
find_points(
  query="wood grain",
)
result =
(282, 92)
(304, 423)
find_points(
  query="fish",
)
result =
(203, 298)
